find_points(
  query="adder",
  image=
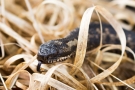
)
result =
(61, 49)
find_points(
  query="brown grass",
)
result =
(25, 24)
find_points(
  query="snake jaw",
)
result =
(60, 59)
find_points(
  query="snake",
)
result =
(61, 49)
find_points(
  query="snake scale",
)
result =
(61, 49)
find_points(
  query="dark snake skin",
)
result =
(61, 49)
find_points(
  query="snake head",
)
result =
(47, 52)
(54, 51)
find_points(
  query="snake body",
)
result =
(61, 49)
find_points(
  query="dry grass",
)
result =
(25, 24)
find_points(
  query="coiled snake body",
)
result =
(61, 49)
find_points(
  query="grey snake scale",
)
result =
(61, 49)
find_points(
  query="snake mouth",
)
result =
(60, 59)
(45, 60)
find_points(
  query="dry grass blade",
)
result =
(59, 85)
(3, 82)
(82, 39)
(35, 24)
(111, 47)
(13, 34)
(13, 59)
(22, 86)
(2, 48)
(47, 77)
(121, 35)
(109, 57)
(129, 81)
(121, 83)
(20, 23)
(66, 12)
(61, 73)
(12, 79)
(52, 82)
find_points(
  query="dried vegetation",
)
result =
(25, 24)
